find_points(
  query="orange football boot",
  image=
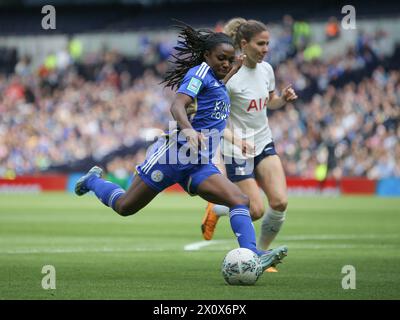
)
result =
(209, 222)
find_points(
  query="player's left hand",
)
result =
(235, 67)
(288, 94)
(238, 62)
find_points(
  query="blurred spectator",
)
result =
(312, 52)
(23, 68)
(332, 29)
(301, 34)
(75, 49)
(8, 60)
(219, 26)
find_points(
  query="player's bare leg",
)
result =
(252, 190)
(219, 189)
(213, 212)
(271, 178)
(136, 197)
(257, 208)
(124, 203)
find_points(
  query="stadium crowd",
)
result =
(87, 108)
(354, 130)
(76, 118)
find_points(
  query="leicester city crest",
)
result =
(157, 176)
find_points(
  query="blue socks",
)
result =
(106, 191)
(243, 227)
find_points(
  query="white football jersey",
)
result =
(249, 93)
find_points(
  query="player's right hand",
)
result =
(289, 94)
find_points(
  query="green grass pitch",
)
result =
(100, 255)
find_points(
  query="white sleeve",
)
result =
(271, 86)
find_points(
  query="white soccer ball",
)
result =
(241, 266)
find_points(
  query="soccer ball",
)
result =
(241, 266)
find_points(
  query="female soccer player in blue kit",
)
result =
(200, 109)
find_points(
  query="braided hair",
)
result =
(192, 44)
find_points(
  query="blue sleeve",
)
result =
(194, 81)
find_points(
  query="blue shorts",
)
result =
(158, 172)
(241, 169)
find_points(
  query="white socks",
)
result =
(221, 210)
(270, 226)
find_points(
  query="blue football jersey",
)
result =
(211, 104)
(169, 160)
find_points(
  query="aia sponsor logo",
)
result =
(257, 105)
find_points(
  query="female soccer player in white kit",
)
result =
(248, 148)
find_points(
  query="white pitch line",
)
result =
(338, 237)
(79, 250)
(228, 245)
(201, 244)
(225, 244)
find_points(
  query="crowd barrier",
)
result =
(296, 186)
(301, 186)
(31, 184)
